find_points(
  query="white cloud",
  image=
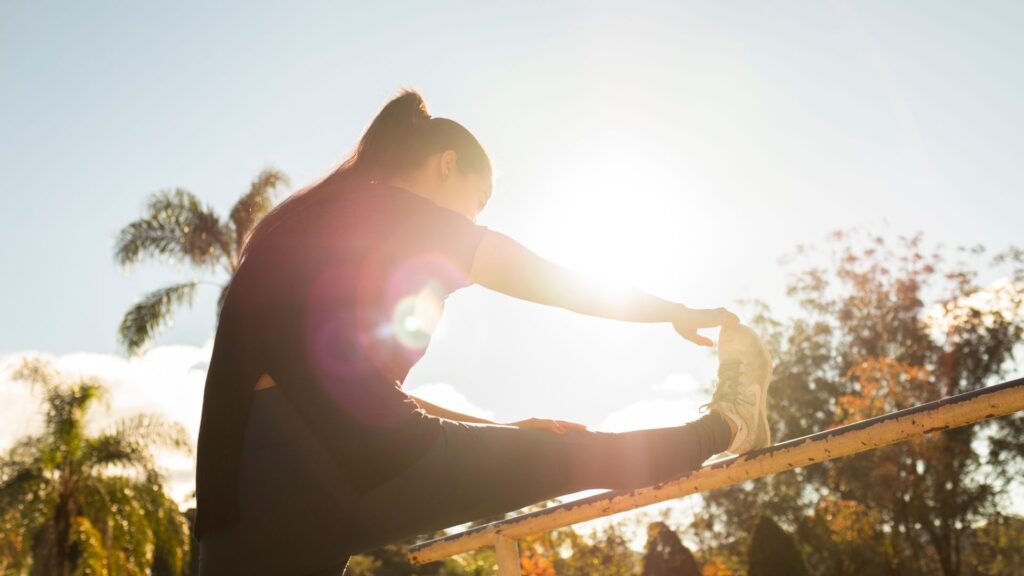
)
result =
(678, 382)
(680, 408)
(446, 396)
(651, 414)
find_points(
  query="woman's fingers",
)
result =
(694, 319)
(728, 318)
(717, 317)
(568, 424)
(698, 339)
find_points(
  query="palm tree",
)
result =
(176, 226)
(74, 503)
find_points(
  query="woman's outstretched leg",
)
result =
(476, 471)
(479, 470)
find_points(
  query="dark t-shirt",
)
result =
(336, 304)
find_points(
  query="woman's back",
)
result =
(329, 304)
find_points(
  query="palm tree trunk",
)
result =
(62, 536)
(44, 557)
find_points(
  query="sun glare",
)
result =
(623, 212)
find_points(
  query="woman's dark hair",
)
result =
(397, 142)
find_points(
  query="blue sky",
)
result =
(684, 146)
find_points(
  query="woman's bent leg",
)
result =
(294, 520)
(475, 470)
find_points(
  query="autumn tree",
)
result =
(884, 325)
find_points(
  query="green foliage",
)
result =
(564, 552)
(254, 204)
(607, 552)
(997, 546)
(477, 563)
(149, 316)
(392, 560)
(176, 226)
(74, 503)
(773, 551)
(88, 545)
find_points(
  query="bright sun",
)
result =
(624, 212)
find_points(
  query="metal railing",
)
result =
(892, 428)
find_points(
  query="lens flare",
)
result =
(415, 316)
(366, 330)
(399, 305)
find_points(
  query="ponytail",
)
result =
(385, 146)
(398, 141)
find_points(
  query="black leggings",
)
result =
(294, 505)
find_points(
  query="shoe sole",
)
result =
(762, 435)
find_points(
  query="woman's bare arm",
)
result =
(550, 424)
(506, 266)
(441, 412)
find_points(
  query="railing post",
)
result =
(507, 550)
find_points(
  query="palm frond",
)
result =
(66, 407)
(158, 432)
(169, 526)
(113, 450)
(91, 556)
(175, 226)
(27, 492)
(255, 204)
(151, 314)
(116, 503)
(38, 372)
(65, 402)
(15, 547)
(21, 485)
(22, 455)
(129, 443)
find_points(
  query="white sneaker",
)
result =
(744, 374)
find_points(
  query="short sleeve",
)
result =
(448, 233)
(459, 238)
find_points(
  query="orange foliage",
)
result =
(848, 520)
(884, 385)
(716, 567)
(534, 565)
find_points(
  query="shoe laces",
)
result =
(727, 391)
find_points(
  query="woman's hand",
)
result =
(688, 320)
(557, 426)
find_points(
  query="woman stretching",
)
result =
(309, 451)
